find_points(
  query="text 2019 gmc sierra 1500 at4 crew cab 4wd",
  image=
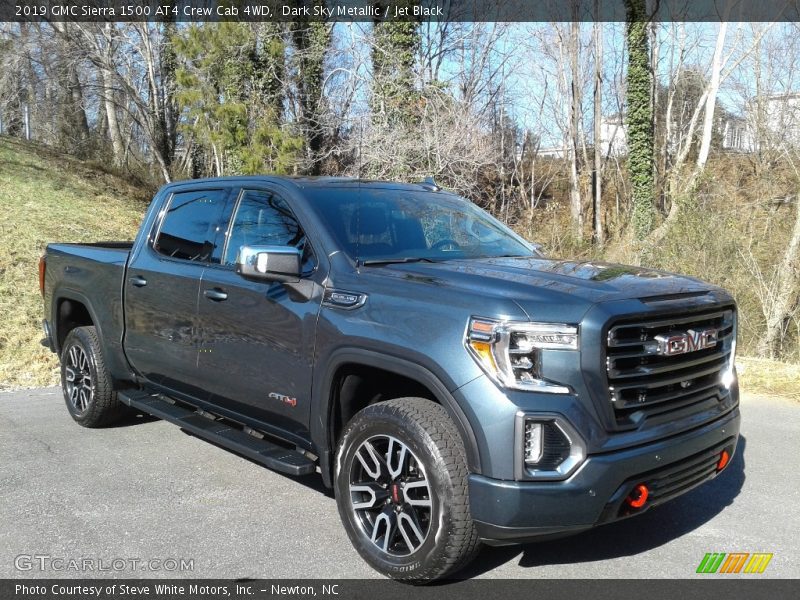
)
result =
(450, 383)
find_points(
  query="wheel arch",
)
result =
(71, 310)
(117, 366)
(324, 403)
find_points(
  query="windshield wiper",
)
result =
(394, 261)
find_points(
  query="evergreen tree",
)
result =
(230, 89)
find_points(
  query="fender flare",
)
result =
(61, 294)
(322, 403)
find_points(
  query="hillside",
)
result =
(47, 197)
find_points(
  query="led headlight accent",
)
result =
(533, 442)
(511, 351)
(548, 447)
(729, 373)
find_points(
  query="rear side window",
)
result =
(189, 229)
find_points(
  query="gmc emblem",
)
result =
(691, 341)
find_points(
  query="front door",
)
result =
(257, 338)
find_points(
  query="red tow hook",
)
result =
(724, 459)
(638, 496)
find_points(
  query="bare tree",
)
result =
(597, 191)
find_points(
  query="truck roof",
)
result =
(317, 182)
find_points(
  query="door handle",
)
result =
(217, 295)
(138, 281)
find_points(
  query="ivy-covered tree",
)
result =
(229, 84)
(394, 50)
(311, 41)
(639, 119)
(166, 134)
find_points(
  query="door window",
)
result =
(190, 225)
(264, 219)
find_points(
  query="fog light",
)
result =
(533, 442)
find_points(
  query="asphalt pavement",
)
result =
(144, 499)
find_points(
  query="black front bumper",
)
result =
(515, 511)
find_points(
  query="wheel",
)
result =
(401, 490)
(86, 381)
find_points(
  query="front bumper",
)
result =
(514, 511)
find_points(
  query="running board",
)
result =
(260, 450)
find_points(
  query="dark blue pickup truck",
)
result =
(451, 384)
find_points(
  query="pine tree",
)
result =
(230, 90)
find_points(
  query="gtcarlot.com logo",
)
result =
(86, 564)
(734, 562)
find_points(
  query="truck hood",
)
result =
(547, 281)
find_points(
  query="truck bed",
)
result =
(96, 269)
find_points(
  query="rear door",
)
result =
(258, 337)
(162, 285)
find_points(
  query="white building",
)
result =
(774, 121)
(737, 135)
(613, 136)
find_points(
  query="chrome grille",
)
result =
(646, 384)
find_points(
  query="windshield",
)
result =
(375, 225)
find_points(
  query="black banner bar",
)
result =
(399, 10)
(729, 588)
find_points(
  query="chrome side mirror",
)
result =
(270, 263)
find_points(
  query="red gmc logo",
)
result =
(691, 341)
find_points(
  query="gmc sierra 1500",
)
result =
(450, 383)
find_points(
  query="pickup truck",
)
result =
(450, 383)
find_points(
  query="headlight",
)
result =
(510, 352)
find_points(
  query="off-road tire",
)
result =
(101, 406)
(431, 436)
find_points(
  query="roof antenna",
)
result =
(430, 183)
(360, 144)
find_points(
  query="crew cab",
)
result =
(449, 382)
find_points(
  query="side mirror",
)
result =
(270, 263)
(538, 248)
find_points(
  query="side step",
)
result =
(270, 455)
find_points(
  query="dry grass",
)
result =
(769, 377)
(47, 197)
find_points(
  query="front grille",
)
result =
(646, 385)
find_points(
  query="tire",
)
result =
(86, 382)
(401, 490)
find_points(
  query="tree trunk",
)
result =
(111, 119)
(597, 225)
(711, 100)
(576, 203)
(76, 92)
(786, 293)
(109, 103)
